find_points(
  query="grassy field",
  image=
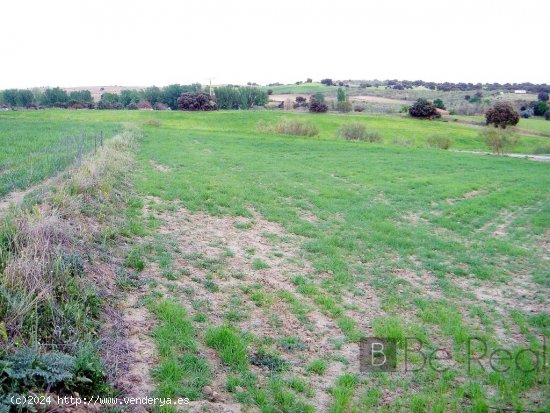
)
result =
(373, 240)
(47, 143)
(264, 259)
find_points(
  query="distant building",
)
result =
(520, 92)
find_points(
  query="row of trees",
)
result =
(227, 97)
(443, 86)
(230, 97)
(150, 98)
(55, 97)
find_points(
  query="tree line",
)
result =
(225, 97)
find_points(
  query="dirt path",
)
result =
(540, 158)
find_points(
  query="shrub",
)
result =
(540, 108)
(26, 370)
(301, 102)
(144, 104)
(161, 106)
(317, 103)
(196, 101)
(358, 132)
(358, 108)
(547, 115)
(341, 95)
(542, 150)
(344, 106)
(438, 103)
(423, 109)
(543, 96)
(501, 114)
(327, 82)
(294, 127)
(498, 140)
(438, 141)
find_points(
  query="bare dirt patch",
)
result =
(252, 260)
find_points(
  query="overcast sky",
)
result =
(115, 42)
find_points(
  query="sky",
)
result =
(139, 43)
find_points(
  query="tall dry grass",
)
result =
(45, 250)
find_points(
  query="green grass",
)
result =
(181, 372)
(230, 346)
(318, 367)
(380, 208)
(343, 393)
(47, 141)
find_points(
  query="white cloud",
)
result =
(108, 42)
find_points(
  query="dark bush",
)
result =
(543, 96)
(547, 115)
(196, 101)
(439, 104)
(318, 107)
(540, 108)
(301, 102)
(423, 109)
(327, 82)
(358, 108)
(317, 103)
(501, 114)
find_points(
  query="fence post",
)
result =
(95, 143)
(101, 138)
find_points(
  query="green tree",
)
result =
(152, 94)
(24, 98)
(341, 95)
(55, 97)
(10, 97)
(81, 96)
(171, 93)
(501, 114)
(130, 97)
(439, 104)
(540, 108)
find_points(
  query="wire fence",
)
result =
(46, 161)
